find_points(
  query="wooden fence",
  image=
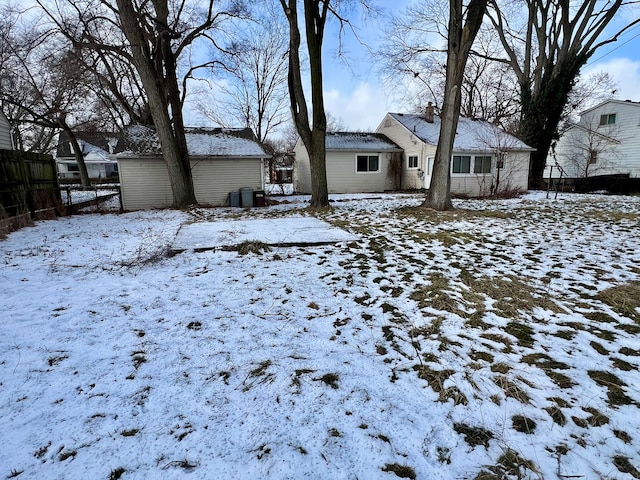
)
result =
(28, 189)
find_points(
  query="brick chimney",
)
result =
(428, 113)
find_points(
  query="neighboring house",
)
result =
(6, 139)
(485, 158)
(605, 141)
(356, 163)
(223, 160)
(98, 149)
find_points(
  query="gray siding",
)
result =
(214, 179)
(343, 178)
(5, 134)
(145, 182)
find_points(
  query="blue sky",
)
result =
(354, 93)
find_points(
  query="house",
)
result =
(97, 150)
(356, 163)
(605, 141)
(223, 160)
(6, 139)
(485, 158)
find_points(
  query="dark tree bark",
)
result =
(313, 136)
(462, 32)
(559, 39)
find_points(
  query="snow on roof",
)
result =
(206, 142)
(471, 134)
(359, 141)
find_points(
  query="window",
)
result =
(413, 161)
(72, 167)
(482, 164)
(593, 157)
(367, 163)
(608, 119)
(461, 164)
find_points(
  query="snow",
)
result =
(359, 141)
(320, 362)
(218, 142)
(472, 135)
(271, 231)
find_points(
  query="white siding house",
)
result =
(356, 163)
(6, 140)
(485, 158)
(97, 149)
(606, 141)
(222, 161)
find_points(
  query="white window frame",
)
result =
(417, 162)
(472, 165)
(369, 156)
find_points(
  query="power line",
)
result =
(616, 48)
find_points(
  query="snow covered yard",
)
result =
(498, 341)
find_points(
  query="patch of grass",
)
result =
(560, 379)
(600, 317)
(474, 436)
(630, 329)
(614, 386)
(66, 454)
(436, 295)
(509, 465)
(511, 389)
(435, 378)
(130, 432)
(523, 424)
(523, 332)
(331, 379)
(556, 415)
(477, 356)
(565, 334)
(402, 471)
(55, 360)
(629, 352)
(623, 365)
(194, 325)
(544, 361)
(252, 246)
(495, 337)
(454, 394)
(14, 473)
(623, 299)
(116, 473)
(597, 419)
(500, 368)
(624, 465)
(624, 436)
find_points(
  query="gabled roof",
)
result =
(100, 143)
(359, 141)
(589, 131)
(616, 102)
(472, 135)
(206, 142)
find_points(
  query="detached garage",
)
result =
(222, 160)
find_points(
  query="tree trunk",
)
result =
(160, 90)
(85, 181)
(462, 34)
(313, 136)
(542, 112)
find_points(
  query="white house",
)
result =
(97, 150)
(356, 163)
(6, 139)
(485, 158)
(223, 160)
(605, 141)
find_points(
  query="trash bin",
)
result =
(234, 199)
(259, 198)
(246, 197)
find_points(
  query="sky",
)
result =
(355, 94)
(441, 345)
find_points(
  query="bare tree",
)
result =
(252, 90)
(546, 48)
(464, 24)
(152, 36)
(42, 86)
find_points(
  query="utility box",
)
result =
(234, 199)
(246, 197)
(259, 198)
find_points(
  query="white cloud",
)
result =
(361, 109)
(625, 72)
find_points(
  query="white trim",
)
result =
(365, 154)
